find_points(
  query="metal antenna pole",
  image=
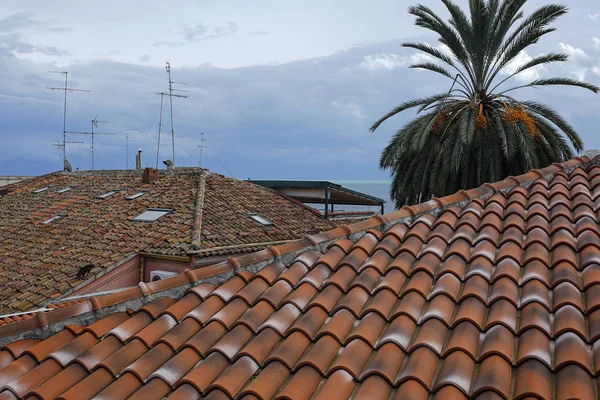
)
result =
(171, 95)
(95, 123)
(202, 147)
(65, 117)
(66, 89)
(127, 146)
(159, 128)
(93, 143)
(171, 105)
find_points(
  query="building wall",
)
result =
(7, 180)
(128, 274)
(153, 264)
(125, 275)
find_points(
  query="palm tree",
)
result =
(476, 132)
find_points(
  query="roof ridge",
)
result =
(197, 228)
(46, 323)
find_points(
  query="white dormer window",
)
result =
(55, 218)
(107, 194)
(135, 196)
(261, 220)
(152, 214)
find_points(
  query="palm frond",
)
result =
(432, 51)
(426, 18)
(407, 105)
(552, 116)
(432, 67)
(526, 34)
(556, 82)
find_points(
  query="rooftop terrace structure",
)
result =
(322, 192)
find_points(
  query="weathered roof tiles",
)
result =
(40, 262)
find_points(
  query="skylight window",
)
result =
(135, 196)
(107, 194)
(64, 190)
(41, 190)
(55, 218)
(152, 214)
(260, 220)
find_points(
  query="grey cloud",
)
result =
(201, 32)
(15, 43)
(191, 33)
(258, 33)
(11, 37)
(17, 22)
(581, 62)
(24, 21)
(168, 44)
(293, 120)
(382, 62)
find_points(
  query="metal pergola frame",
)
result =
(332, 193)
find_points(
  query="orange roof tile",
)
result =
(447, 302)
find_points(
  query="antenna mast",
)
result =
(171, 95)
(63, 146)
(95, 123)
(127, 146)
(202, 147)
(162, 97)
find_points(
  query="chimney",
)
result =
(150, 175)
(138, 159)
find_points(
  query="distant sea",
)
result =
(375, 188)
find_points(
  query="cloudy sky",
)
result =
(282, 89)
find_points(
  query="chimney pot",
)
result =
(138, 159)
(150, 175)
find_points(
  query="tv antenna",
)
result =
(202, 147)
(95, 123)
(162, 97)
(63, 145)
(170, 94)
(127, 146)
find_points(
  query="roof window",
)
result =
(64, 190)
(261, 220)
(135, 196)
(107, 194)
(152, 214)
(55, 218)
(41, 190)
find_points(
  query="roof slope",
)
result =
(493, 293)
(227, 203)
(40, 262)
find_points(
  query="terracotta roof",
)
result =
(492, 293)
(39, 262)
